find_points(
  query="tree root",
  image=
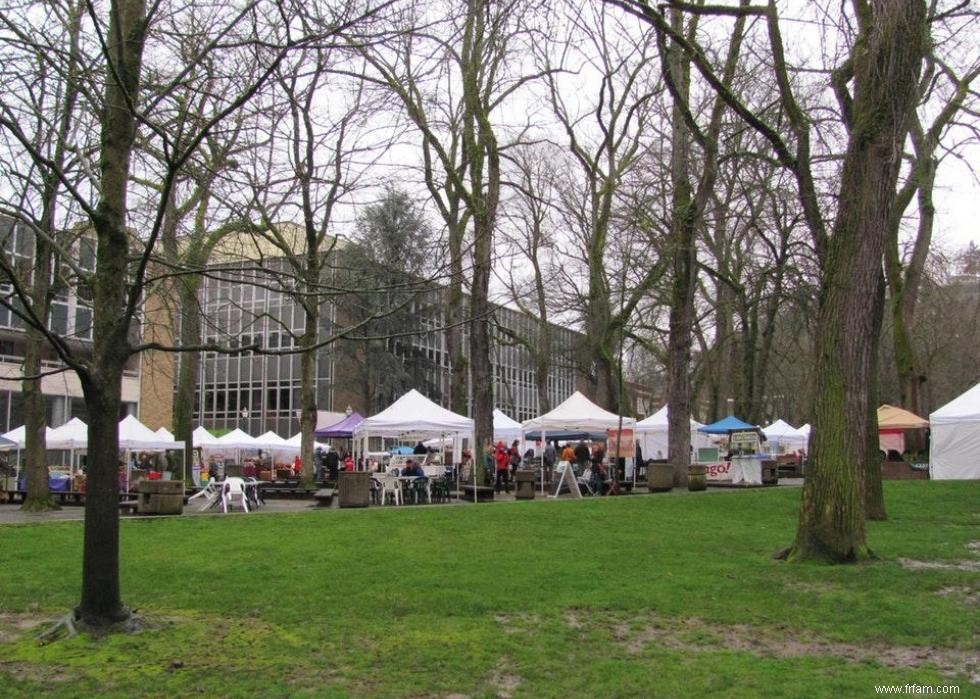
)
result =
(39, 505)
(782, 554)
(817, 554)
(72, 624)
(63, 628)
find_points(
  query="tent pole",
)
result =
(544, 442)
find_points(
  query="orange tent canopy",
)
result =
(892, 418)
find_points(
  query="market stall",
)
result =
(743, 446)
(578, 414)
(893, 423)
(651, 433)
(413, 417)
(955, 441)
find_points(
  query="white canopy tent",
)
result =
(414, 416)
(295, 443)
(236, 439)
(576, 413)
(781, 432)
(72, 435)
(133, 435)
(505, 428)
(164, 433)
(651, 433)
(203, 439)
(18, 436)
(955, 438)
(270, 441)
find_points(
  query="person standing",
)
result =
(582, 457)
(333, 463)
(568, 454)
(548, 459)
(502, 459)
(514, 456)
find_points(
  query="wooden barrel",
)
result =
(660, 477)
(696, 479)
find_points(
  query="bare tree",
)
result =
(688, 204)
(530, 235)
(883, 66)
(941, 88)
(128, 95)
(606, 138)
(320, 149)
(43, 105)
(452, 77)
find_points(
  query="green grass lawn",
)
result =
(635, 596)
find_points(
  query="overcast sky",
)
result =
(957, 201)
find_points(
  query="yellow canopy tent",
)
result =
(892, 423)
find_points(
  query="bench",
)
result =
(484, 493)
(129, 506)
(324, 497)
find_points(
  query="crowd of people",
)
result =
(502, 461)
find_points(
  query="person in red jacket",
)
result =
(502, 459)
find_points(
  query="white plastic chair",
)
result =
(231, 488)
(390, 485)
(252, 494)
(211, 493)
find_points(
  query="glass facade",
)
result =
(262, 392)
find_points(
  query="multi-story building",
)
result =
(260, 392)
(71, 319)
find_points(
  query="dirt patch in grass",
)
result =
(970, 566)
(504, 682)
(968, 596)
(697, 635)
(811, 588)
(14, 626)
(517, 624)
(912, 564)
(44, 675)
(574, 620)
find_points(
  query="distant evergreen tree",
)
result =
(389, 270)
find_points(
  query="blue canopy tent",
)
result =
(726, 425)
(566, 435)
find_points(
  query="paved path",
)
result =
(12, 514)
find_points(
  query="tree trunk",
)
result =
(542, 352)
(37, 497)
(874, 495)
(905, 287)
(307, 391)
(459, 368)
(683, 264)
(832, 513)
(482, 371)
(101, 602)
(190, 362)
